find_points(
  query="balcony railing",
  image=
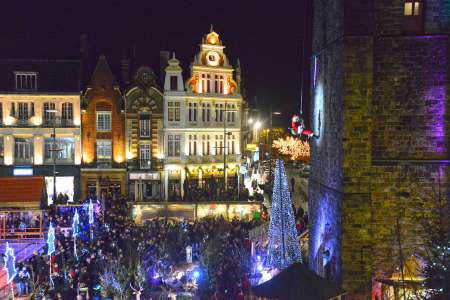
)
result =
(58, 123)
(145, 163)
(23, 161)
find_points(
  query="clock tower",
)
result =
(202, 125)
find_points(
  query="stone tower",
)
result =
(380, 111)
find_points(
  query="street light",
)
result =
(53, 151)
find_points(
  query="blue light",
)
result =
(10, 264)
(196, 274)
(258, 257)
(91, 213)
(259, 268)
(51, 240)
(75, 224)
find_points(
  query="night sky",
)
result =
(267, 36)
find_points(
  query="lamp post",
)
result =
(53, 151)
(272, 113)
(225, 148)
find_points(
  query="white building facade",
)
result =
(202, 123)
(38, 98)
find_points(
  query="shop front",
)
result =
(145, 186)
(103, 183)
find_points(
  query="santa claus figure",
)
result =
(298, 128)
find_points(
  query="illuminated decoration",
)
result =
(75, 231)
(318, 112)
(315, 71)
(75, 224)
(91, 213)
(296, 149)
(51, 240)
(10, 264)
(284, 248)
(189, 254)
(298, 128)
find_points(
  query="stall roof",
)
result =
(22, 192)
(297, 282)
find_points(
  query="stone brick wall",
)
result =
(383, 143)
(409, 100)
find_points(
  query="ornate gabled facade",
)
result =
(103, 135)
(144, 135)
(202, 124)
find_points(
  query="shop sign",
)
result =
(145, 176)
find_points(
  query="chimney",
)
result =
(125, 63)
(163, 61)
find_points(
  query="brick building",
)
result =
(144, 134)
(379, 108)
(103, 134)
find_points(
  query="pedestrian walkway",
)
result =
(23, 250)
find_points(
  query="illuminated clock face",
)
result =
(212, 58)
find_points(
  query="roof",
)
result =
(53, 76)
(26, 191)
(297, 282)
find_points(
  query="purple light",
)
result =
(315, 72)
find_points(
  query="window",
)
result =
(23, 150)
(206, 112)
(26, 80)
(221, 112)
(219, 144)
(205, 145)
(173, 145)
(104, 150)
(412, 8)
(413, 12)
(13, 110)
(231, 145)
(65, 149)
(49, 116)
(144, 125)
(32, 109)
(173, 83)
(145, 155)
(192, 145)
(1, 149)
(206, 83)
(23, 111)
(1, 116)
(104, 121)
(192, 112)
(218, 84)
(231, 113)
(173, 111)
(67, 113)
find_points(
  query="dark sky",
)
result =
(267, 36)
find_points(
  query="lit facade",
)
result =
(379, 164)
(38, 97)
(197, 117)
(103, 169)
(144, 136)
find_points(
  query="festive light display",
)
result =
(91, 213)
(75, 224)
(284, 248)
(51, 240)
(10, 264)
(296, 149)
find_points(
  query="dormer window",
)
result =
(413, 16)
(26, 80)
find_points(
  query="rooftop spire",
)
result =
(211, 29)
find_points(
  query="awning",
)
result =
(297, 282)
(27, 192)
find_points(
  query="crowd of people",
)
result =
(77, 269)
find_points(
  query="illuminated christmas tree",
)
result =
(284, 248)
(10, 264)
(51, 240)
